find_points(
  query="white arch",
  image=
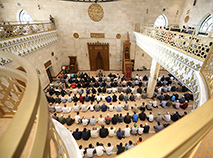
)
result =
(161, 21)
(23, 17)
(206, 23)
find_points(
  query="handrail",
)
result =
(207, 72)
(32, 105)
(16, 135)
(190, 44)
(16, 30)
(177, 139)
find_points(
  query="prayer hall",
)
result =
(106, 78)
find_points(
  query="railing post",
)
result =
(190, 41)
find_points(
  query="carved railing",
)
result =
(11, 93)
(25, 45)
(10, 30)
(189, 43)
(32, 107)
(207, 71)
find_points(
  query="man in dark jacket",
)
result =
(146, 128)
(142, 116)
(103, 132)
(69, 120)
(139, 90)
(121, 97)
(120, 148)
(77, 134)
(175, 116)
(104, 107)
(86, 134)
(127, 118)
(115, 119)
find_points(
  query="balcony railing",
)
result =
(207, 71)
(184, 40)
(13, 29)
(33, 107)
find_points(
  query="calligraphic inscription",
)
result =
(97, 35)
(95, 12)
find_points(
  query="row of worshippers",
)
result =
(98, 97)
(92, 82)
(99, 149)
(87, 91)
(94, 107)
(108, 89)
(158, 118)
(175, 96)
(103, 132)
(84, 77)
(129, 96)
(119, 107)
(119, 118)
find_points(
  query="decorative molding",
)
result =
(76, 35)
(23, 46)
(182, 66)
(97, 35)
(118, 36)
(95, 12)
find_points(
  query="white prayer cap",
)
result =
(146, 124)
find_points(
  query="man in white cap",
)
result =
(185, 105)
(177, 105)
(167, 117)
(62, 120)
(146, 128)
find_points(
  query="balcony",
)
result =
(182, 54)
(23, 39)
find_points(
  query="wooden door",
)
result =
(49, 74)
(99, 56)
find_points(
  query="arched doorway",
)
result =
(98, 56)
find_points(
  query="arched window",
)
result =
(161, 21)
(207, 23)
(23, 17)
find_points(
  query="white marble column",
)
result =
(155, 67)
